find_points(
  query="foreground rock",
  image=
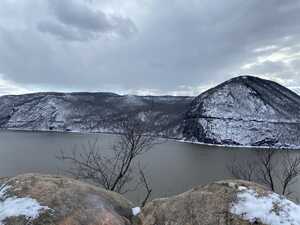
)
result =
(43, 200)
(34, 199)
(223, 203)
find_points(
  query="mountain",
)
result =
(245, 110)
(90, 112)
(296, 89)
(242, 111)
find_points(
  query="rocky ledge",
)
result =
(51, 200)
(230, 202)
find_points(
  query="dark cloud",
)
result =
(181, 43)
(80, 16)
(78, 22)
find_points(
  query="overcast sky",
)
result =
(145, 46)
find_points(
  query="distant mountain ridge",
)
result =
(245, 110)
(89, 112)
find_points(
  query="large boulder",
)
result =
(53, 200)
(222, 203)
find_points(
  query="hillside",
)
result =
(245, 111)
(89, 112)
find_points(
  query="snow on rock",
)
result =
(69, 201)
(136, 211)
(14, 206)
(271, 209)
(203, 205)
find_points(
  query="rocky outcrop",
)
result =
(51, 200)
(54, 200)
(222, 203)
(245, 111)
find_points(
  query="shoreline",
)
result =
(166, 138)
(241, 146)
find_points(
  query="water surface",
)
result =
(171, 167)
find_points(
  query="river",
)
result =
(171, 167)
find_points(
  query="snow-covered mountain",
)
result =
(89, 112)
(245, 111)
(296, 89)
(242, 111)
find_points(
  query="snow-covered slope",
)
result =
(89, 112)
(242, 111)
(296, 89)
(245, 111)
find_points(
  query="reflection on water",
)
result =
(171, 167)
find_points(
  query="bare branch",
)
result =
(274, 168)
(117, 171)
(146, 186)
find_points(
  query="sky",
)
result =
(177, 47)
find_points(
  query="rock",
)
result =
(53, 200)
(222, 203)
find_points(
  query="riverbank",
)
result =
(165, 138)
(241, 146)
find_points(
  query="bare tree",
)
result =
(290, 171)
(242, 170)
(277, 169)
(144, 181)
(118, 170)
(267, 171)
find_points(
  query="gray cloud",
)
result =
(76, 21)
(182, 43)
(63, 32)
(80, 16)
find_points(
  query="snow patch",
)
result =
(14, 206)
(289, 147)
(142, 116)
(136, 211)
(231, 184)
(271, 209)
(242, 188)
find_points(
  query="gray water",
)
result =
(171, 167)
